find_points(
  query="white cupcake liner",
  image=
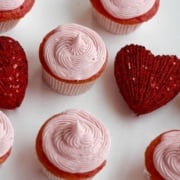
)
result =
(64, 88)
(8, 25)
(147, 174)
(113, 26)
(51, 176)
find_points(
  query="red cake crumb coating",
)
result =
(18, 12)
(13, 73)
(54, 170)
(136, 20)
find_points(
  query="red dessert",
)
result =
(145, 81)
(13, 73)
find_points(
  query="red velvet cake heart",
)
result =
(13, 73)
(145, 81)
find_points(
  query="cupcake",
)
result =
(13, 73)
(72, 145)
(162, 156)
(72, 58)
(6, 137)
(123, 16)
(12, 11)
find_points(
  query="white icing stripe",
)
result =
(167, 156)
(6, 134)
(126, 9)
(6, 5)
(74, 52)
(75, 142)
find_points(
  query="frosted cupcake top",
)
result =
(126, 9)
(75, 141)
(6, 134)
(74, 52)
(6, 5)
(166, 156)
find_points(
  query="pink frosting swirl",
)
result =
(6, 134)
(74, 52)
(74, 141)
(6, 5)
(126, 9)
(167, 156)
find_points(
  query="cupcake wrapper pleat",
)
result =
(50, 175)
(53, 177)
(112, 26)
(147, 174)
(65, 88)
(7, 25)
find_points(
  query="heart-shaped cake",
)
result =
(146, 81)
(13, 73)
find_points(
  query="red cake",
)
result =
(146, 81)
(13, 73)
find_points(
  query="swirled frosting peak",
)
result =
(74, 52)
(126, 9)
(6, 5)
(77, 129)
(6, 134)
(167, 156)
(77, 136)
(78, 46)
(75, 142)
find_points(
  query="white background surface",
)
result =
(130, 134)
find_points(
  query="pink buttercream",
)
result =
(74, 52)
(167, 156)
(75, 142)
(6, 5)
(6, 134)
(126, 9)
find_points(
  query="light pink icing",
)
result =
(126, 9)
(6, 134)
(74, 52)
(167, 156)
(6, 5)
(75, 141)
